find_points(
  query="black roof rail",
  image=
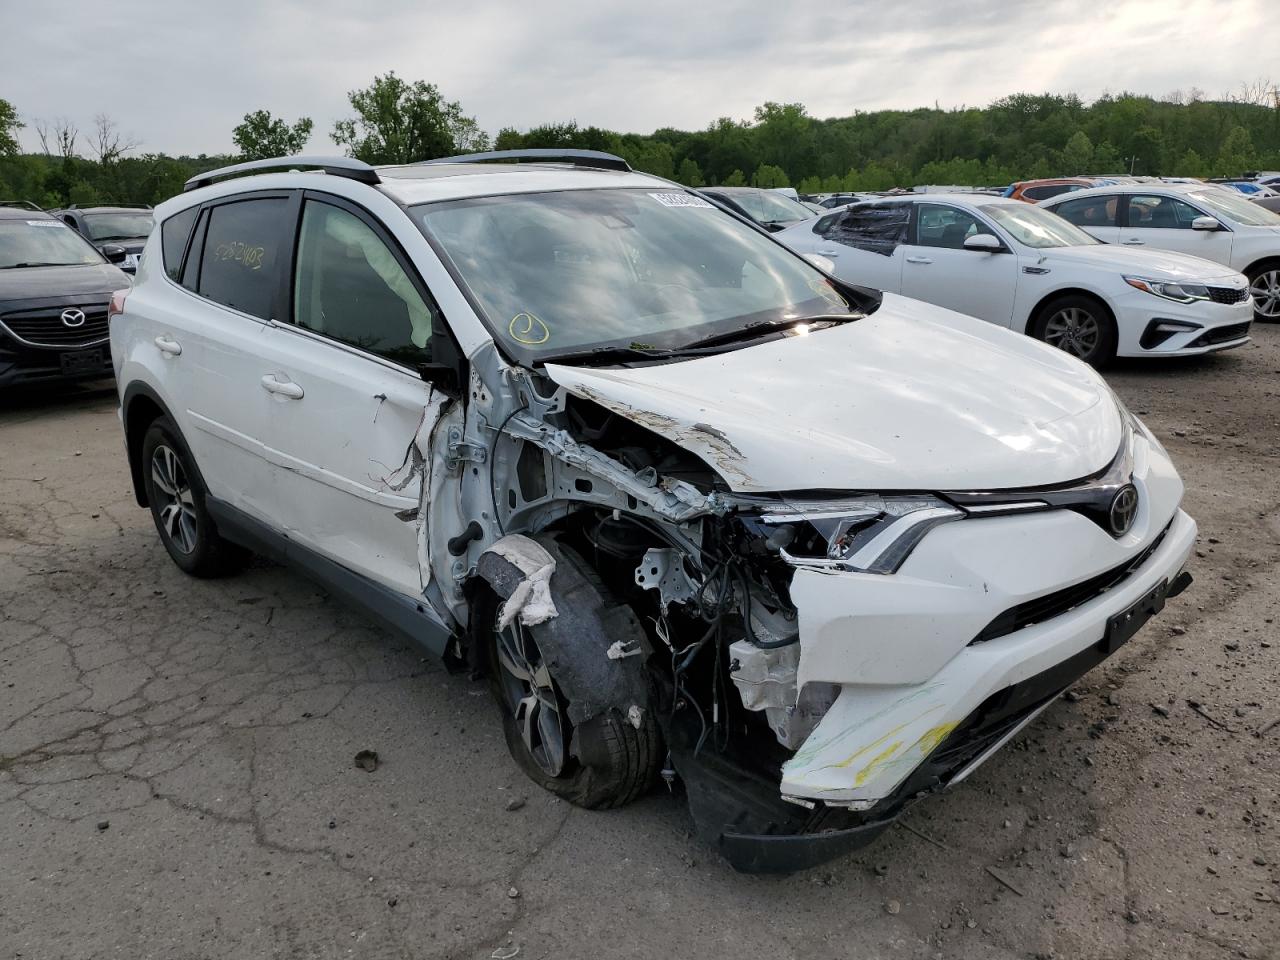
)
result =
(21, 203)
(111, 203)
(347, 167)
(594, 159)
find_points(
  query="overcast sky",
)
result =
(179, 75)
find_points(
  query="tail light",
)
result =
(117, 303)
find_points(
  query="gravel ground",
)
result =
(176, 775)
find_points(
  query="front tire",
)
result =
(1080, 326)
(1264, 288)
(177, 498)
(605, 762)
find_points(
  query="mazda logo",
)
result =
(1124, 507)
(73, 318)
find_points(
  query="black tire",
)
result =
(1078, 325)
(609, 760)
(1264, 288)
(176, 494)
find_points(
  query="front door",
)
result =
(937, 268)
(1164, 223)
(348, 403)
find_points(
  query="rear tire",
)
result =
(606, 762)
(1078, 325)
(1264, 288)
(177, 498)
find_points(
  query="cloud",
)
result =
(180, 76)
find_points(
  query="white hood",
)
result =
(1149, 263)
(913, 397)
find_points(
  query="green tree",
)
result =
(1077, 155)
(690, 174)
(1237, 154)
(261, 136)
(9, 127)
(769, 176)
(735, 179)
(1191, 165)
(399, 122)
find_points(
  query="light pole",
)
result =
(1132, 161)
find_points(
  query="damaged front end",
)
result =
(810, 672)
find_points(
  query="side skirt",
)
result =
(413, 619)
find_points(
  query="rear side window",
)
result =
(350, 286)
(877, 228)
(245, 245)
(173, 240)
(1089, 211)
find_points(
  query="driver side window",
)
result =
(943, 226)
(1166, 213)
(350, 286)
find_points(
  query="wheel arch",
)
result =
(1037, 311)
(141, 407)
(1270, 260)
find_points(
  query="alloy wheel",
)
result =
(177, 509)
(531, 696)
(1265, 290)
(1074, 330)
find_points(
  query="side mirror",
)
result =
(822, 263)
(442, 376)
(984, 243)
(114, 252)
(1206, 223)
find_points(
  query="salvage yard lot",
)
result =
(176, 775)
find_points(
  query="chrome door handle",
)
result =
(1134, 242)
(169, 346)
(919, 259)
(285, 388)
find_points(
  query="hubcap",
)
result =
(1265, 291)
(1073, 330)
(177, 509)
(531, 697)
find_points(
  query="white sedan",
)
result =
(1022, 267)
(1203, 219)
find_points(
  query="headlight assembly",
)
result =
(871, 534)
(1178, 292)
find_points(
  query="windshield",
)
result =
(767, 207)
(570, 271)
(1237, 208)
(118, 226)
(42, 243)
(1036, 227)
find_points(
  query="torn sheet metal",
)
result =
(531, 597)
(417, 466)
(672, 499)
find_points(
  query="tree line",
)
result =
(1017, 137)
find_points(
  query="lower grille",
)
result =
(46, 328)
(1233, 331)
(1059, 602)
(1228, 294)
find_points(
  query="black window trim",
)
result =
(444, 348)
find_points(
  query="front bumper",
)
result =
(1151, 326)
(21, 365)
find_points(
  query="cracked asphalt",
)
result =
(177, 776)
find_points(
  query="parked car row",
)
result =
(689, 502)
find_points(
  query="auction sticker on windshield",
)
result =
(681, 200)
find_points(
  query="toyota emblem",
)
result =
(73, 318)
(1124, 507)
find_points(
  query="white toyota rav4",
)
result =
(692, 505)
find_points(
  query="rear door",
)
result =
(1098, 215)
(210, 340)
(346, 397)
(938, 269)
(864, 242)
(1164, 222)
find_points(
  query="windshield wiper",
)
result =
(15, 266)
(761, 327)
